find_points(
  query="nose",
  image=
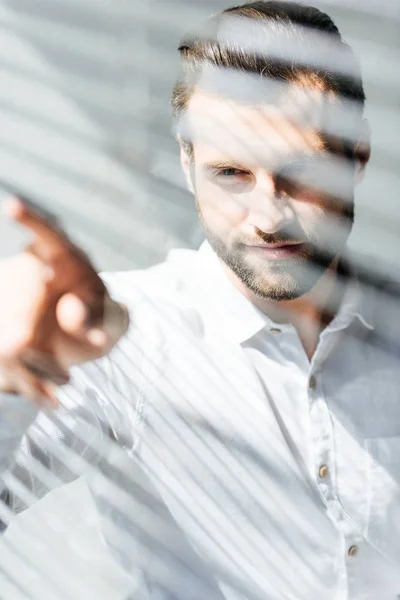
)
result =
(268, 211)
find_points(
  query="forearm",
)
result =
(16, 416)
(77, 432)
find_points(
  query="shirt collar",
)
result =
(356, 302)
(225, 309)
(223, 306)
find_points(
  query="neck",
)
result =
(309, 314)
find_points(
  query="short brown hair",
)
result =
(210, 47)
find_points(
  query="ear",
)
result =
(186, 165)
(362, 151)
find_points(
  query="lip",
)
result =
(276, 251)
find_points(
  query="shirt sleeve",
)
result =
(40, 450)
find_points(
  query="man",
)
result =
(254, 393)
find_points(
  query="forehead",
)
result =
(255, 133)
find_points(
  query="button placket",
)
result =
(312, 382)
(353, 550)
(322, 438)
(325, 462)
(275, 330)
(323, 471)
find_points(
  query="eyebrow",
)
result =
(293, 161)
(215, 165)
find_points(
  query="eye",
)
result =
(231, 173)
(232, 179)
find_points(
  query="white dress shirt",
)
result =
(247, 471)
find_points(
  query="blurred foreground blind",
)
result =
(85, 123)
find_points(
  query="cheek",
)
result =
(220, 210)
(321, 224)
(316, 213)
(308, 215)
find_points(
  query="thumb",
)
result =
(72, 314)
(101, 323)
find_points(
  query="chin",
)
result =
(282, 284)
(278, 293)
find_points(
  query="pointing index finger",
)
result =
(42, 224)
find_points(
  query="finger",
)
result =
(50, 391)
(34, 206)
(43, 366)
(81, 307)
(101, 321)
(115, 320)
(80, 312)
(115, 324)
(28, 385)
(45, 228)
(72, 314)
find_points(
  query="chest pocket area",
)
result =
(384, 523)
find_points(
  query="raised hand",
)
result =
(54, 310)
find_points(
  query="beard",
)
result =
(285, 279)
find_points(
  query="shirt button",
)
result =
(352, 551)
(312, 382)
(323, 471)
(275, 330)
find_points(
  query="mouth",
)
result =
(276, 251)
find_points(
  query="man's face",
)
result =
(276, 204)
